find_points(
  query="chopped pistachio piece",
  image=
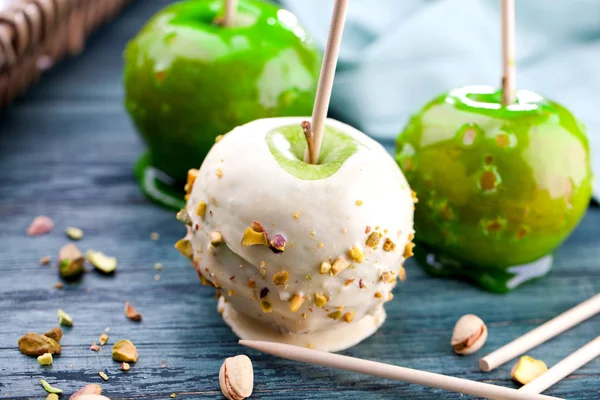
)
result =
(356, 255)
(266, 306)
(216, 239)
(185, 248)
(49, 388)
(527, 369)
(45, 260)
(154, 236)
(34, 344)
(55, 333)
(339, 265)
(101, 261)
(131, 313)
(191, 178)
(45, 359)
(320, 300)
(388, 245)
(296, 302)
(280, 278)
(74, 233)
(325, 267)
(308, 277)
(278, 243)
(373, 239)
(335, 315)
(103, 375)
(348, 282)
(70, 261)
(124, 351)
(402, 273)
(296, 215)
(201, 209)
(390, 296)
(94, 347)
(64, 318)
(253, 237)
(125, 367)
(414, 196)
(184, 217)
(408, 249)
(378, 295)
(359, 202)
(388, 277)
(219, 138)
(52, 396)
(251, 283)
(349, 316)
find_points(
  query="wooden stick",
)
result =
(508, 52)
(230, 10)
(330, 57)
(389, 371)
(564, 367)
(542, 333)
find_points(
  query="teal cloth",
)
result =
(398, 54)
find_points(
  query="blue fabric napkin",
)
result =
(397, 55)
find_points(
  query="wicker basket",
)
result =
(34, 34)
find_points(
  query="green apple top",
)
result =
(354, 206)
(498, 185)
(188, 79)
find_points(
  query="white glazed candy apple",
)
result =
(303, 254)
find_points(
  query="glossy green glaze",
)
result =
(188, 79)
(498, 186)
(288, 145)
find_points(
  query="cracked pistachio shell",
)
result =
(34, 344)
(236, 377)
(470, 333)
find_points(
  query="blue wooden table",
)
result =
(67, 149)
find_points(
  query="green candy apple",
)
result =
(499, 187)
(189, 79)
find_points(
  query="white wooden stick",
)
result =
(542, 333)
(508, 52)
(564, 367)
(390, 371)
(230, 10)
(330, 57)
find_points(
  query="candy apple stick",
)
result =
(508, 52)
(230, 10)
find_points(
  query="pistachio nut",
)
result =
(49, 388)
(470, 333)
(102, 262)
(339, 265)
(70, 261)
(356, 255)
(124, 351)
(45, 359)
(91, 389)
(216, 238)
(184, 217)
(236, 377)
(278, 243)
(131, 312)
(74, 233)
(103, 339)
(34, 344)
(56, 334)
(64, 318)
(185, 248)
(527, 369)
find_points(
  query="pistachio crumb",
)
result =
(321, 245)
(280, 278)
(219, 172)
(94, 347)
(278, 243)
(185, 248)
(296, 302)
(402, 273)
(154, 236)
(59, 285)
(388, 277)
(219, 138)
(255, 235)
(373, 239)
(408, 249)
(308, 277)
(103, 339)
(157, 277)
(304, 315)
(348, 282)
(296, 215)
(413, 194)
(64, 318)
(378, 295)
(74, 233)
(349, 316)
(131, 313)
(390, 296)
(325, 267)
(367, 229)
(320, 300)
(173, 395)
(231, 292)
(125, 367)
(266, 306)
(251, 283)
(335, 315)
(361, 284)
(339, 265)
(201, 209)
(158, 267)
(45, 359)
(359, 202)
(103, 375)
(388, 245)
(216, 239)
(356, 255)
(45, 260)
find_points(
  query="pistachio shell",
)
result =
(470, 333)
(87, 390)
(34, 344)
(236, 377)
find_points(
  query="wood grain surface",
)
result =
(67, 149)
